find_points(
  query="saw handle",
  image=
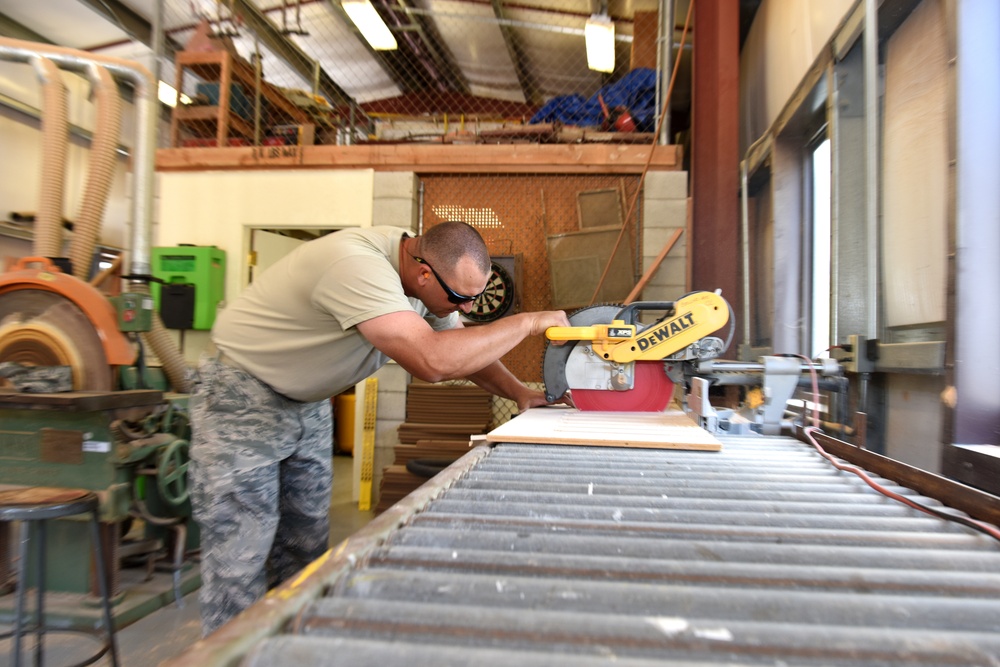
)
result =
(574, 333)
(629, 313)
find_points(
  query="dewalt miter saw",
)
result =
(612, 362)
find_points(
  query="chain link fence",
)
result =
(266, 72)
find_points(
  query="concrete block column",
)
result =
(396, 199)
(665, 210)
(395, 203)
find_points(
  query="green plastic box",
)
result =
(201, 267)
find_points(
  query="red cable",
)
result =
(981, 526)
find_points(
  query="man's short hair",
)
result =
(446, 243)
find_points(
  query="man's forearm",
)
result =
(459, 352)
(498, 380)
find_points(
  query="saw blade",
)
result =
(556, 356)
(651, 391)
(41, 328)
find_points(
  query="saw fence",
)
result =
(759, 554)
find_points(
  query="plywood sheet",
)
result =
(599, 208)
(566, 426)
(577, 261)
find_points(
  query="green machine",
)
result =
(190, 283)
(73, 415)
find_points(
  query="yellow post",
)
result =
(368, 445)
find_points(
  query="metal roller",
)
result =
(968, 558)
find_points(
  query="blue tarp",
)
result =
(636, 92)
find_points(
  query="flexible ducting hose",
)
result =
(100, 171)
(55, 133)
(158, 338)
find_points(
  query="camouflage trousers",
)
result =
(261, 475)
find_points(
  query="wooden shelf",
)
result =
(203, 120)
(427, 159)
(220, 121)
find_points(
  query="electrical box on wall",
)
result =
(190, 286)
(502, 295)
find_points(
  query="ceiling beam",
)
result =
(402, 75)
(290, 52)
(417, 65)
(14, 30)
(11, 28)
(441, 66)
(136, 26)
(529, 86)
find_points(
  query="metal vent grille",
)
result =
(761, 554)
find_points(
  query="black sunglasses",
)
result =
(453, 296)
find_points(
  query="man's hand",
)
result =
(532, 398)
(543, 319)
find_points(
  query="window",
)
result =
(820, 252)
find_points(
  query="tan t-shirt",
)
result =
(294, 327)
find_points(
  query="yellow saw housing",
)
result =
(694, 317)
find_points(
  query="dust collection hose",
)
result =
(100, 171)
(166, 348)
(55, 132)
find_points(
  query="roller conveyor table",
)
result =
(760, 554)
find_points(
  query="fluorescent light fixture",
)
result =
(168, 95)
(371, 25)
(600, 35)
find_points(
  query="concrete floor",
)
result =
(168, 631)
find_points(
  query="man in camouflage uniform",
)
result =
(242, 509)
(323, 318)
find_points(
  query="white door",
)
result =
(268, 248)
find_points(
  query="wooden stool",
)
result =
(36, 505)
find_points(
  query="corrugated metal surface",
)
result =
(761, 554)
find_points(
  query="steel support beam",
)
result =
(714, 240)
(397, 68)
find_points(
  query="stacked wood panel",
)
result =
(440, 420)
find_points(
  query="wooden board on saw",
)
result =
(672, 429)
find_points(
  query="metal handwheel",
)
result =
(171, 473)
